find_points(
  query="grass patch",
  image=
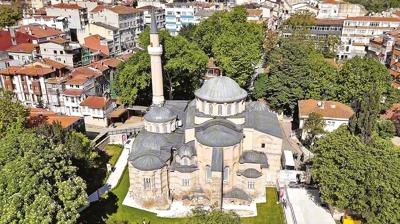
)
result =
(110, 210)
(114, 151)
(268, 212)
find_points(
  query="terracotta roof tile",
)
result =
(121, 9)
(374, 18)
(23, 48)
(27, 70)
(254, 12)
(73, 92)
(52, 63)
(95, 102)
(67, 6)
(98, 8)
(40, 31)
(77, 80)
(330, 109)
(39, 116)
(59, 40)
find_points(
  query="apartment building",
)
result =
(63, 51)
(77, 17)
(159, 14)
(127, 20)
(381, 47)
(357, 32)
(25, 53)
(99, 44)
(96, 110)
(178, 15)
(155, 3)
(338, 9)
(57, 22)
(28, 83)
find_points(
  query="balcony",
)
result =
(36, 88)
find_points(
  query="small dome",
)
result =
(221, 89)
(148, 162)
(259, 106)
(159, 115)
(187, 150)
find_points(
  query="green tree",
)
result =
(358, 177)
(385, 128)
(215, 216)
(298, 71)
(234, 43)
(314, 126)
(303, 18)
(38, 184)
(188, 32)
(359, 75)
(9, 15)
(377, 5)
(184, 65)
(12, 114)
(260, 86)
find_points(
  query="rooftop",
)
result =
(38, 116)
(34, 71)
(373, 19)
(40, 31)
(23, 48)
(67, 6)
(328, 109)
(95, 102)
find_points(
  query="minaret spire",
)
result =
(155, 52)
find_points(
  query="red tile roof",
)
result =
(52, 63)
(78, 80)
(39, 116)
(374, 19)
(23, 48)
(86, 72)
(330, 109)
(67, 6)
(40, 31)
(98, 8)
(58, 40)
(95, 102)
(121, 9)
(36, 70)
(73, 92)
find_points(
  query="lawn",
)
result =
(113, 151)
(111, 209)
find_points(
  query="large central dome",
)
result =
(221, 89)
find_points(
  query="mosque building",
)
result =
(218, 148)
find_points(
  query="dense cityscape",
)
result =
(164, 111)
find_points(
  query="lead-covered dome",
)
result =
(221, 89)
(158, 114)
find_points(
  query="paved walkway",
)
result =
(114, 177)
(307, 208)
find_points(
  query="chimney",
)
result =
(320, 104)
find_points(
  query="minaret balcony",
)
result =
(157, 51)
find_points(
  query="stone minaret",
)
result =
(155, 52)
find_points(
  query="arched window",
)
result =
(219, 109)
(157, 128)
(229, 109)
(236, 107)
(203, 106)
(226, 174)
(185, 161)
(208, 173)
(210, 108)
(147, 183)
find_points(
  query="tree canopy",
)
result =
(302, 18)
(215, 216)
(234, 43)
(12, 114)
(358, 177)
(314, 126)
(297, 71)
(377, 5)
(9, 15)
(184, 64)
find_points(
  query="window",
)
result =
(146, 183)
(210, 108)
(61, 52)
(185, 182)
(229, 109)
(208, 174)
(226, 174)
(262, 145)
(219, 109)
(55, 52)
(185, 161)
(250, 185)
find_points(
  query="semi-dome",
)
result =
(258, 106)
(187, 150)
(148, 162)
(252, 156)
(149, 141)
(158, 114)
(221, 89)
(218, 133)
(251, 173)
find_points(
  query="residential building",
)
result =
(109, 33)
(179, 14)
(38, 4)
(24, 52)
(39, 116)
(338, 9)
(128, 21)
(63, 51)
(100, 44)
(57, 22)
(76, 14)
(357, 32)
(255, 15)
(155, 3)
(28, 83)
(202, 14)
(34, 34)
(159, 14)
(333, 113)
(381, 47)
(96, 110)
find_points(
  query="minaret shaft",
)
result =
(155, 52)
